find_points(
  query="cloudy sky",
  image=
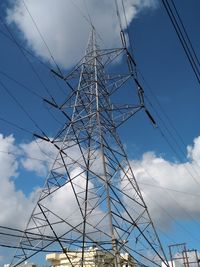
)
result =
(165, 160)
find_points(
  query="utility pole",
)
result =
(187, 257)
(91, 195)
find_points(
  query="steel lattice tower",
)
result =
(91, 178)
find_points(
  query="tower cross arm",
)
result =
(121, 113)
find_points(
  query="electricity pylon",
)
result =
(91, 195)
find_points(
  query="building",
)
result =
(174, 263)
(93, 258)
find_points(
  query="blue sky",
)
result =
(168, 80)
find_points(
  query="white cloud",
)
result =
(194, 151)
(64, 27)
(154, 173)
(63, 202)
(38, 156)
(68, 208)
(13, 203)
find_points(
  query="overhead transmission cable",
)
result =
(127, 28)
(16, 126)
(161, 109)
(32, 134)
(170, 189)
(25, 49)
(185, 32)
(20, 106)
(32, 55)
(181, 152)
(162, 133)
(21, 84)
(188, 215)
(89, 20)
(174, 220)
(130, 43)
(25, 56)
(128, 34)
(183, 37)
(87, 17)
(167, 212)
(87, 11)
(33, 69)
(31, 92)
(41, 36)
(27, 157)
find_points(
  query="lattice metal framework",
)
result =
(91, 195)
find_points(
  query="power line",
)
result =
(21, 85)
(127, 28)
(87, 17)
(35, 72)
(174, 151)
(120, 22)
(89, 20)
(161, 109)
(161, 132)
(41, 36)
(183, 37)
(163, 135)
(25, 49)
(174, 199)
(170, 189)
(174, 220)
(20, 106)
(172, 147)
(130, 43)
(87, 11)
(118, 15)
(25, 56)
(27, 157)
(16, 126)
(30, 90)
(186, 34)
(31, 54)
(43, 39)
(42, 151)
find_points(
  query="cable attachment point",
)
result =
(57, 74)
(141, 98)
(123, 39)
(150, 117)
(140, 92)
